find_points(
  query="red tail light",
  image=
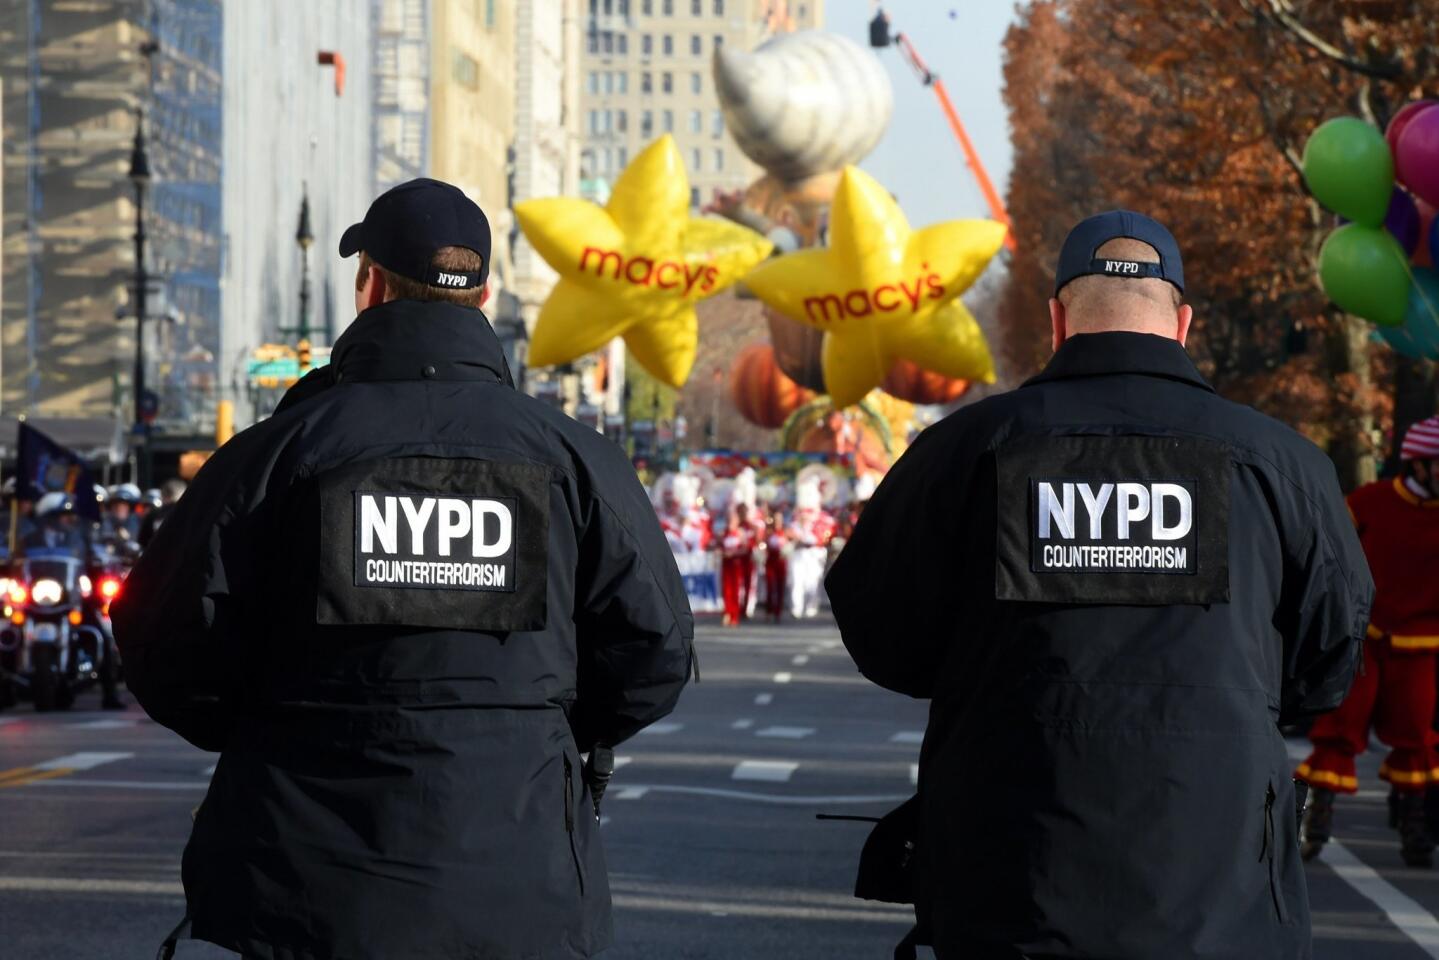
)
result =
(18, 593)
(110, 588)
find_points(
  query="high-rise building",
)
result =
(646, 71)
(76, 77)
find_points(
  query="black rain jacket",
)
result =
(400, 609)
(1103, 774)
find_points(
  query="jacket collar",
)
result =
(1106, 354)
(414, 340)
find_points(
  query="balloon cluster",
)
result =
(1379, 264)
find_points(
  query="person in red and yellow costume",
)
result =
(1395, 692)
(737, 563)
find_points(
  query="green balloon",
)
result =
(1349, 169)
(1365, 272)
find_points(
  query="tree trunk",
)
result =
(1413, 401)
(1351, 446)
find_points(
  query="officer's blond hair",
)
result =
(452, 259)
(1096, 303)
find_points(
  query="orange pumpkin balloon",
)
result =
(909, 381)
(760, 391)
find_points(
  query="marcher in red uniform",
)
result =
(776, 565)
(1394, 693)
(737, 563)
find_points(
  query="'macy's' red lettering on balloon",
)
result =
(645, 272)
(885, 298)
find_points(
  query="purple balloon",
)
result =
(1417, 156)
(1403, 220)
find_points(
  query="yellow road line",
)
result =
(15, 772)
(29, 775)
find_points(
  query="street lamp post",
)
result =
(304, 237)
(140, 177)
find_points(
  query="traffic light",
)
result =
(302, 350)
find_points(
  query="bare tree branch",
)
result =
(1281, 13)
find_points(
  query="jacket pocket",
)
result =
(1268, 855)
(570, 823)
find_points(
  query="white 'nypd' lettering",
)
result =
(1121, 266)
(1168, 508)
(451, 279)
(459, 526)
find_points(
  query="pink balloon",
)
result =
(1401, 120)
(1417, 159)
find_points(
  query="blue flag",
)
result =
(46, 467)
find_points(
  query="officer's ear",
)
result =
(1186, 317)
(1058, 322)
(485, 297)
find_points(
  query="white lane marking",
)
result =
(621, 761)
(209, 771)
(908, 736)
(780, 800)
(800, 659)
(121, 784)
(783, 677)
(718, 908)
(108, 723)
(763, 699)
(630, 793)
(769, 771)
(786, 733)
(1413, 920)
(662, 728)
(743, 723)
(78, 885)
(82, 761)
(914, 774)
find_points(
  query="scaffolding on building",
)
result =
(401, 90)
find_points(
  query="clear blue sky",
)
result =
(919, 159)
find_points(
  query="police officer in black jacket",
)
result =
(1113, 586)
(401, 609)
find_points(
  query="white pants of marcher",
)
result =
(806, 574)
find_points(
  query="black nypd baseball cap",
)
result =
(1077, 256)
(407, 224)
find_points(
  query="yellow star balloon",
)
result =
(881, 291)
(635, 267)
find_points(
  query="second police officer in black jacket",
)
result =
(1113, 586)
(401, 608)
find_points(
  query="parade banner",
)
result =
(701, 573)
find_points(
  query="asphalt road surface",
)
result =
(713, 846)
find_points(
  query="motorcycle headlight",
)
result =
(47, 593)
(86, 587)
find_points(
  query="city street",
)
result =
(713, 846)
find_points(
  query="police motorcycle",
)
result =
(52, 642)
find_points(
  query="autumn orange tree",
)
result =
(1196, 111)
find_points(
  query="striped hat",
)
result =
(1422, 441)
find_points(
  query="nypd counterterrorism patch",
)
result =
(436, 543)
(1101, 519)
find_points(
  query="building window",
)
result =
(719, 41)
(592, 42)
(622, 158)
(668, 121)
(668, 7)
(695, 159)
(622, 82)
(697, 123)
(608, 42)
(605, 160)
(667, 45)
(694, 198)
(622, 44)
(609, 7)
(697, 46)
(594, 82)
(647, 7)
(609, 83)
(696, 84)
(647, 45)
(624, 7)
(667, 82)
(489, 14)
(466, 70)
(594, 7)
(717, 124)
(719, 8)
(647, 123)
(609, 121)
(646, 81)
(697, 8)
(622, 121)
(803, 10)
(594, 121)
(719, 160)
